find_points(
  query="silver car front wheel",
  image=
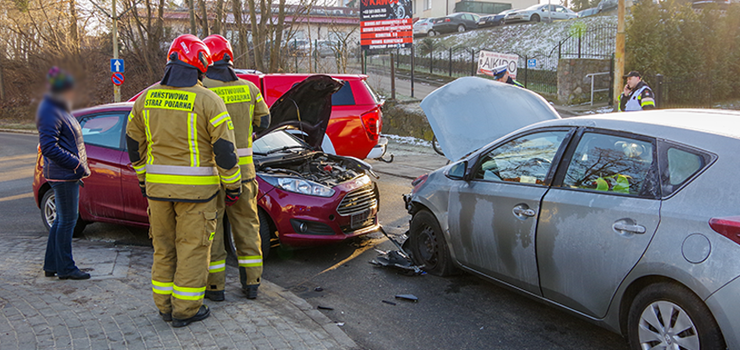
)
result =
(665, 325)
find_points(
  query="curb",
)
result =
(328, 325)
(20, 131)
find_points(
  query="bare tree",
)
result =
(219, 17)
(191, 11)
(204, 17)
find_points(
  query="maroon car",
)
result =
(306, 197)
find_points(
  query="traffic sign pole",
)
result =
(116, 88)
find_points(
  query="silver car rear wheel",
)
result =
(665, 325)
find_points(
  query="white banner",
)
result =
(488, 60)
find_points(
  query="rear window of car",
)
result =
(680, 165)
(344, 96)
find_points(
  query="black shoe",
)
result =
(251, 291)
(50, 273)
(166, 317)
(202, 314)
(215, 295)
(77, 275)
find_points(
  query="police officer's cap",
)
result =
(633, 73)
(499, 71)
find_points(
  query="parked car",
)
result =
(588, 12)
(356, 117)
(493, 20)
(538, 13)
(456, 22)
(327, 48)
(606, 5)
(306, 197)
(628, 220)
(424, 26)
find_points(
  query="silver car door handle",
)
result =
(620, 226)
(519, 211)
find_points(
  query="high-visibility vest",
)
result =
(245, 105)
(181, 143)
(621, 184)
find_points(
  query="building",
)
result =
(441, 8)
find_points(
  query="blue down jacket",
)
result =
(60, 141)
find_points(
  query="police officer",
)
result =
(250, 113)
(181, 144)
(637, 95)
(501, 74)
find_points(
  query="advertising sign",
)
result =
(385, 24)
(488, 60)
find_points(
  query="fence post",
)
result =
(611, 82)
(526, 70)
(393, 78)
(560, 49)
(658, 90)
(412, 69)
(450, 64)
(295, 53)
(579, 47)
(316, 56)
(364, 62)
(431, 61)
(473, 67)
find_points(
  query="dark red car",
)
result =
(356, 116)
(306, 197)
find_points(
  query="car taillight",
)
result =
(447, 20)
(372, 121)
(727, 226)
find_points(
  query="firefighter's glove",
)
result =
(232, 197)
(142, 187)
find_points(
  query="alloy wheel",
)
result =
(50, 210)
(665, 325)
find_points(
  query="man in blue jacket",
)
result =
(65, 165)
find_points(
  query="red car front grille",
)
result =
(358, 201)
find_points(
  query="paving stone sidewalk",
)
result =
(114, 309)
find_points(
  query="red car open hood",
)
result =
(306, 107)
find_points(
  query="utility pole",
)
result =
(116, 88)
(619, 53)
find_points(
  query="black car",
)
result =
(456, 22)
(493, 20)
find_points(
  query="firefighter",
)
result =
(181, 144)
(637, 95)
(250, 113)
(501, 74)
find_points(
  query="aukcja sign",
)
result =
(385, 24)
(488, 60)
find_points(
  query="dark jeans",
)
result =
(59, 246)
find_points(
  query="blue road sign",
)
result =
(116, 65)
(532, 63)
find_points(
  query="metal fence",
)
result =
(682, 92)
(587, 42)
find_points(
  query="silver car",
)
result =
(628, 220)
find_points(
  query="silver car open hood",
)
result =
(472, 112)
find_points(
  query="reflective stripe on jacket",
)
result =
(185, 143)
(245, 105)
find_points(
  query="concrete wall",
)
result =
(573, 85)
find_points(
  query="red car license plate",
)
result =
(361, 219)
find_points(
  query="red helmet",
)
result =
(219, 47)
(187, 48)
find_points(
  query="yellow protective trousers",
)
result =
(245, 230)
(181, 234)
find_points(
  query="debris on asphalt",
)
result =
(340, 324)
(399, 259)
(389, 302)
(324, 308)
(318, 289)
(408, 297)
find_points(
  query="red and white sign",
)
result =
(488, 60)
(117, 78)
(386, 24)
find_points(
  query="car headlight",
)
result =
(296, 185)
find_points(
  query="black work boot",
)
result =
(251, 291)
(166, 317)
(215, 295)
(202, 314)
(76, 275)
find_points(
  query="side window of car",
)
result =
(526, 159)
(680, 165)
(103, 129)
(344, 96)
(613, 164)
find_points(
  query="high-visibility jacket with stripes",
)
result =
(246, 108)
(181, 144)
(641, 98)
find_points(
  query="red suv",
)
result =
(356, 117)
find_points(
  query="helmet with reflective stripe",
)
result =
(188, 49)
(220, 47)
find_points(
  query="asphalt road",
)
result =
(462, 312)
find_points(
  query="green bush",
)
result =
(697, 51)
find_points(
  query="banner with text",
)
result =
(488, 60)
(385, 24)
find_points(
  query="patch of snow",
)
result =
(408, 140)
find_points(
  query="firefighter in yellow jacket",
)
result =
(181, 143)
(247, 110)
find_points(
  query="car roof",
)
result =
(120, 106)
(709, 121)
